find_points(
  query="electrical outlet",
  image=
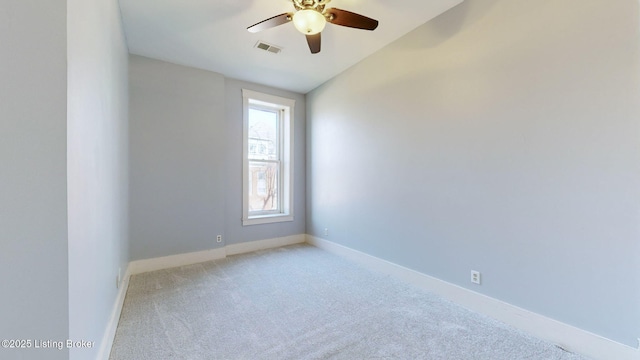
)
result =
(475, 277)
(326, 231)
(219, 238)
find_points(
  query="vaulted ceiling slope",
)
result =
(212, 35)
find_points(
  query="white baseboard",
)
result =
(251, 246)
(167, 262)
(566, 336)
(112, 325)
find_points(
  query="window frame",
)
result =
(285, 107)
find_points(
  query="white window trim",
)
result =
(287, 105)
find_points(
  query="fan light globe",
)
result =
(309, 22)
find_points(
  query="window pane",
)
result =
(263, 134)
(263, 179)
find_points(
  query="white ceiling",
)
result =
(212, 35)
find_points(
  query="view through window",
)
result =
(264, 160)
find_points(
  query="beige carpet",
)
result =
(300, 302)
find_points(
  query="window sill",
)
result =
(266, 219)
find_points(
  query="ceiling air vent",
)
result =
(268, 47)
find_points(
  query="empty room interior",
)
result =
(481, 153)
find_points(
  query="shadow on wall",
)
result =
(442, 28)
(485, 42)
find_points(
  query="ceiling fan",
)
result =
(311, 17)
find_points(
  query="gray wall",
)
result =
(33, 175)
(97, 166)
(186, 161)
(177, 142)
(500, 137)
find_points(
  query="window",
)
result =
(267, 164)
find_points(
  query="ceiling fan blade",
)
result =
(270, 22)
(314, 43)
(350, 19)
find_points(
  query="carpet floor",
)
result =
(301, 302)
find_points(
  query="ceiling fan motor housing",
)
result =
(317, 5)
